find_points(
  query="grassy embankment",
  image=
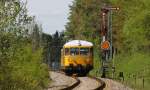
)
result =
(136, 70)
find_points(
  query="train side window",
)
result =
(67, 51)
(74, 51)
(84, 51)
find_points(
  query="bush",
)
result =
(27, 71)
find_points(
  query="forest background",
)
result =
(25, 49)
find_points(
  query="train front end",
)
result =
(77, 57)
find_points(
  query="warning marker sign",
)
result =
(105, 45)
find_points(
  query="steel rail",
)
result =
(68, 87)
(102, 86)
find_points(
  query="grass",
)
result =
(136, 67)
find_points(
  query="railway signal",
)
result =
(105, 45)
(106, 34)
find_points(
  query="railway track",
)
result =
(74, 82)
(59, 81)
(90, 83)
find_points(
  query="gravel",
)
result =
(60, 81)
(87, 84)
(113, 85)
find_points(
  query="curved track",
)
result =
(90, 83)
(59, 81)
(63, 82)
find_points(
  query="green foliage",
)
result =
(134, 66)
(6, 14)
(135, 24)
(135, 27)
(97, 63)
(28, 72)
(84, 19)
(133, 63)
(21, 68)
(21, 60)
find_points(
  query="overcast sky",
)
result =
(52, 14)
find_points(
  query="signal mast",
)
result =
(106, 37)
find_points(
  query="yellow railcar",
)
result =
(77, 57)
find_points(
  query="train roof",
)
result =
(78, 43)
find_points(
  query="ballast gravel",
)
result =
(114, 85)
(87, 84)
(60, 81)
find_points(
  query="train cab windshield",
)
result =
(78, 51)
(84, 51)
(74, 51)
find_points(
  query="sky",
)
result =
(52, 14)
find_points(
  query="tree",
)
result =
(20, 68)
(134, 25)
(84, 20)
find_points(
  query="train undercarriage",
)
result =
(79, 70)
